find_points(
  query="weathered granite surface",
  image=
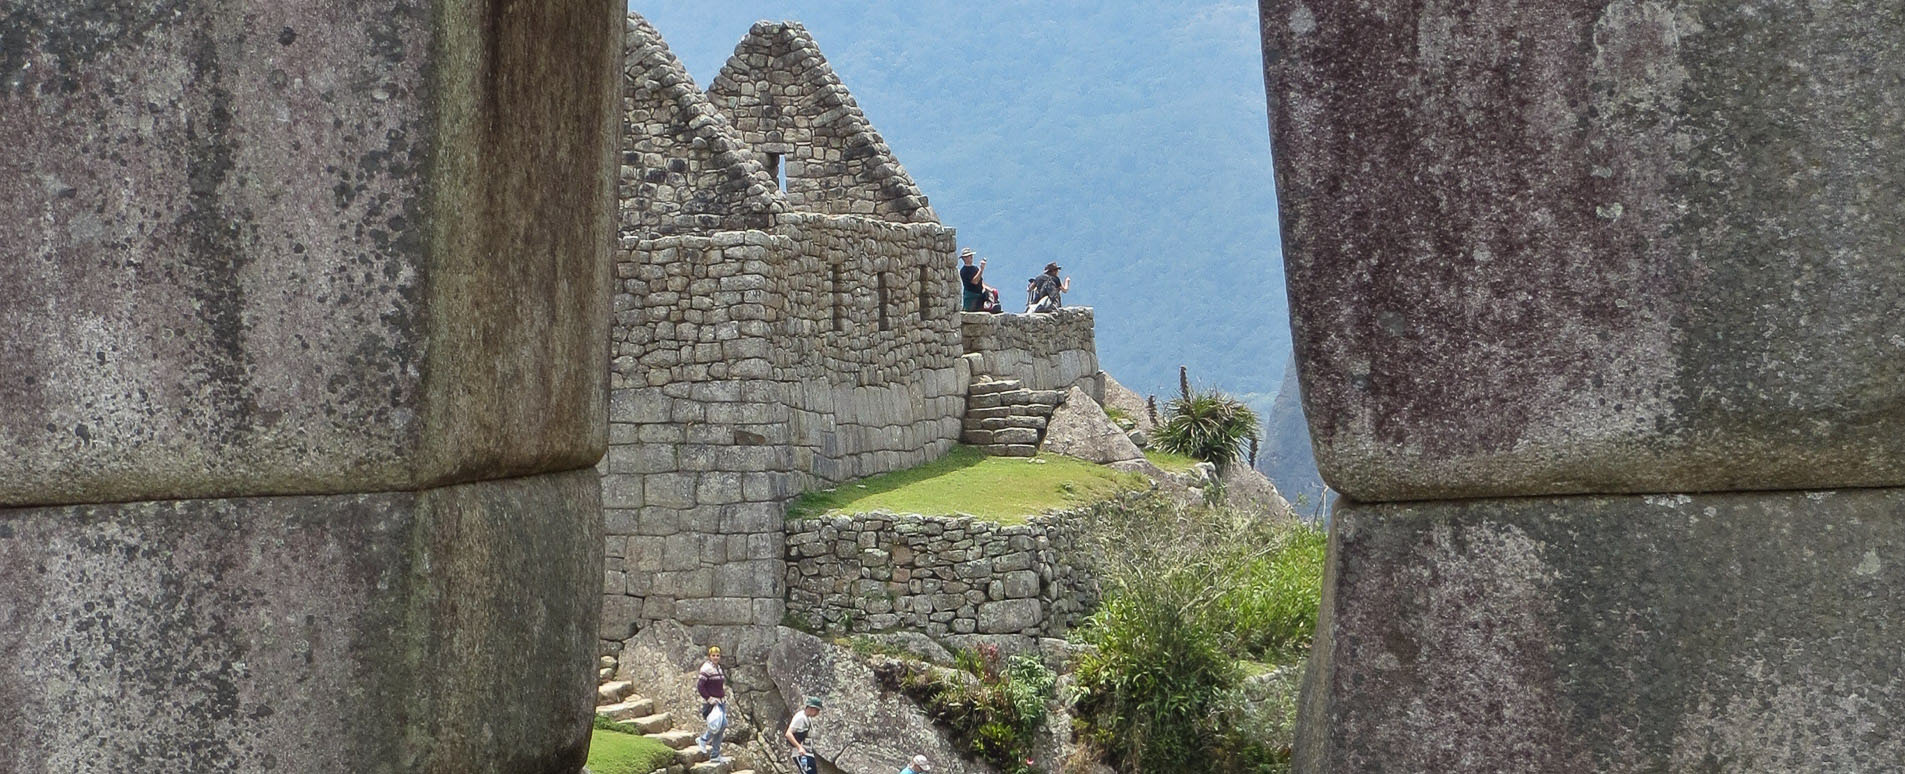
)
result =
(1560, 247)
(1738, 632)
(1080, 428)
(864, 729)
(452, 630)
(288, 248)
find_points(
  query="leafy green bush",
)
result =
(991, 707)
(1210, 426)
(1194, 597)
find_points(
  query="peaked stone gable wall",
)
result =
(786, 101)
(757, 353)
(684, 170)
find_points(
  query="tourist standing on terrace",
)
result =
(712, 684)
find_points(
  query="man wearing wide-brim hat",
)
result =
(1045, 291)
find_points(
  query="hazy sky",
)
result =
(1124, 138)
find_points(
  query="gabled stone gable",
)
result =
(785, 100)
(684, 169)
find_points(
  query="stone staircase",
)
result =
(617, 701)
(1004, 419)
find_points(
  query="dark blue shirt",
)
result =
(968, 276)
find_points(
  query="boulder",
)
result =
(863, 729)
(1132, 404)
(1571, 275)
(1250, 491)
(1079, 428)
(1612, 634)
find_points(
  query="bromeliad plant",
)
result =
(1209, 426)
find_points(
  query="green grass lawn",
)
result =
(1002, 489)
(613, 752)
(1168, 462)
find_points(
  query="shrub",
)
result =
(1210, 426)
(991, 707)
(1193, 597)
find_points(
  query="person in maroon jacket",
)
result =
(712, 683)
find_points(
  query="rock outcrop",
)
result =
(1079, 428)
(864, 729)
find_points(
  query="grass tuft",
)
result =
(615, 752)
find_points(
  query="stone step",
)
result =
(1009, 450)
(632, 708)
(710, 767)
(656, 723)
(611, 693)
(989, 413)
(691, 755)
(993, 385)
(1016, 420)
(676, 739)
(1047, 397)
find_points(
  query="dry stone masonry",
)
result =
(1043, 351)
(943, 576)
(1568, 281)
(302, 380)
(765, 343)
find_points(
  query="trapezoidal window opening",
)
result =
(925, 291)
(885, 324)
(774, 171)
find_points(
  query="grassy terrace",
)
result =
(1001, 489)
(615, 752)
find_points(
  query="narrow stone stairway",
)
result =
(617, 701)
(1004, 419)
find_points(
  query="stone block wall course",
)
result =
(943, 576)
(1043, 351)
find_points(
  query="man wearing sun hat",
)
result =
(919, 766)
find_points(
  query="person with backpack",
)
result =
(798, 733)
(712, 684)
(1044, 292)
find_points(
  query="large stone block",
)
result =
(1548, 248)
(449, 630)
(290, 248)
(1739, 633)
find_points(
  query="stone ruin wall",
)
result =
(758, 352)
(948, 577)
(1045, 351)
(785, 103)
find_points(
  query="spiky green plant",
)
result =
(1210, 426)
